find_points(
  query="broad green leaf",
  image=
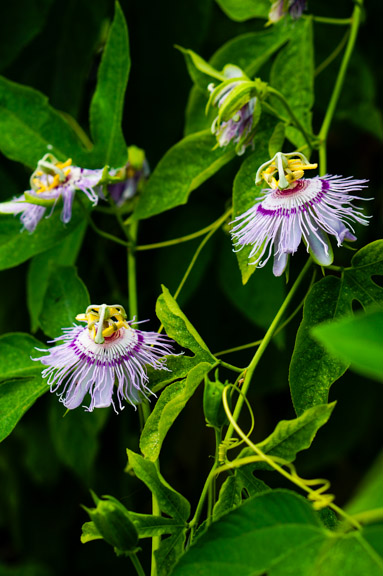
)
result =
(65, 297)
(277, 139)
(168, 407)
(313, 370)
(29, 127)
(292, 436)
(75, 435)
(20, 379)
(168, 552)
(178, 327)
(245, 191)
(277, 533)
(183, 169)
(357, 341)
(108, 101)
(149, 526)
(42, 267)
(170, 502)
(369, 494)
(230, 497)
(16, 351)
(293, 75)
(17, 246)
(249, 52)
(246, 9)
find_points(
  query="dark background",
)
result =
(55, 47)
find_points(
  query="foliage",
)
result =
(222, 477)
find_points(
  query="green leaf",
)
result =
(75, 435)
(65, 297)
(293, 75)
(89, 533)
(170, 502)
(17, 246)
(357, 341)
(200, 71)
(313, 370)
(183, 169)
(168, 552)
(247, 51)
(230, 497)
(168, 407)
(292, 436)
(277, 533)
(108, 101)
(246, 9)
(178, 327)
(43, 266)
(29, 127)
(245, 191)
(20, 379)
(149, 526)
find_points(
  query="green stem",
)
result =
(132, 279)
(231, 367)
(355, 22)
(137, 564)
(369, 517)
(265, 342)
(335, 21)
(291, 113)
(188, 237)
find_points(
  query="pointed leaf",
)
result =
(29, 127)
(180, 329)
(313, 370)
(357, 340)
(168, 407)
(42, 266)
(65, 297)
(246, 9)
(108, 101)
(170, 502)
(183, 169)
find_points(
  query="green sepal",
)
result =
(193, 60)
(32, 199)
(238, 97)
(113, 523)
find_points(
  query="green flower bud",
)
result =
(113, 523)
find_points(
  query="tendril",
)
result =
(317, 489)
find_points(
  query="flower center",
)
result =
(283, 170)
(50, 174)
(104, 321)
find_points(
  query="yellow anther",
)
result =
(113, 318)
(293, 170)
(66, 164)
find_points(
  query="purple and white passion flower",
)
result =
(51, 182)
(106, 359)
(297, 208)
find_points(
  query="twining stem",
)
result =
(188, 237)
(355, 22)
(279, 329)
(217, 224)
(291, 113)
(137, 564)
(265, 342)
